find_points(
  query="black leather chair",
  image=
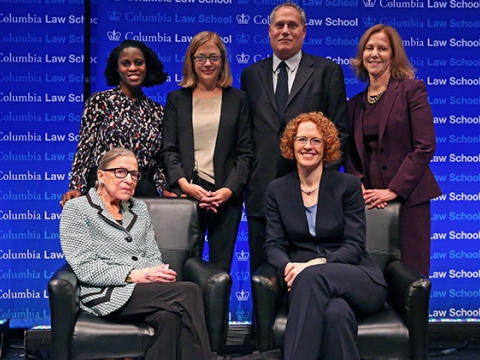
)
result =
(397, 331)
(78, 335)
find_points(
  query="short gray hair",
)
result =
(303, 16)
(109, 156)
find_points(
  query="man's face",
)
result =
(286, 32)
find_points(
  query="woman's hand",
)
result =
(215, 199)
(292, 269)
(155, 274)
(70, 195)
(168, 193)
(378, 197)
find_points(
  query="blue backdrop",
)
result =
(41, 101)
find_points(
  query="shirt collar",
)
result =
(291, 62)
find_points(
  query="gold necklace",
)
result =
(308, 192)
(373, 99)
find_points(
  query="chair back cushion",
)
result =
(384, 242)
(177, 229)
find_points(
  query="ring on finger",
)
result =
(374, 198)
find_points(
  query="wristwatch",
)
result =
(129, 279)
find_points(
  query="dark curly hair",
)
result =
(327, 128)
(155, 74)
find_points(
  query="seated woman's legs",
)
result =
(177, 313)
(310, 295)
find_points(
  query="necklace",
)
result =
(308, 192)
(373, 99)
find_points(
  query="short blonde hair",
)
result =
(190, 79)
(401, 67)
(327, 128)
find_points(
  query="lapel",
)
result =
(296, 202)
(359, 113)
(390, 96)
(266, 78)
(326, 197)
(304, 72)
(128, 217)
(225, 112)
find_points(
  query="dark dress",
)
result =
(111, 119)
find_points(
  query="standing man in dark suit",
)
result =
(312, 83)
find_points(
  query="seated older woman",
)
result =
(316, 240)
(108, 240)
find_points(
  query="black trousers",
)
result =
(176, 312)
(323, 302)
(222, 228)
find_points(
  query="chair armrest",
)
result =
(64, 305)
(215, 284)
(409, 291)
(267, 295)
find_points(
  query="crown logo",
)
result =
(242, 2)
(243, 19)
(242, 315)
(242, 235)
(242, 295)
(114, 15)
(369, 3)
(114, 35)
(244, 215)
(243, 59)
(369, 21)
(242, 255)
(243, 38)
(243, 275)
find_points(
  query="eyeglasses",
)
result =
(202, 58)
(303, 141)
(122, 173)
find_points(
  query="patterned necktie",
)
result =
(281, 94)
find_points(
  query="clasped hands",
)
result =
(378, 198)
(154, 274)
(292, 269)
(209, 200)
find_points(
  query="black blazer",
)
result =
(233, 148)
(319, 86)
(340, 224)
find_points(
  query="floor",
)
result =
(452, 345)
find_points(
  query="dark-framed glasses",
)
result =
(202, 58)
(122, 173)
(303, 141)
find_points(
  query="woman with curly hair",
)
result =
(122, 117)
(316, 240)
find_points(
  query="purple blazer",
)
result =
(406, 141)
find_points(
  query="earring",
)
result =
(102, 183)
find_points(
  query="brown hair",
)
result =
(401, 67)
(327, 128)
(190, 78)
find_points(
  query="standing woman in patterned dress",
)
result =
(122, 117)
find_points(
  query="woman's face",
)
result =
(308, 146)
(208, 71)
(131, 67)
(377, 55)
(117, 188)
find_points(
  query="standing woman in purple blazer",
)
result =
(394, 139)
